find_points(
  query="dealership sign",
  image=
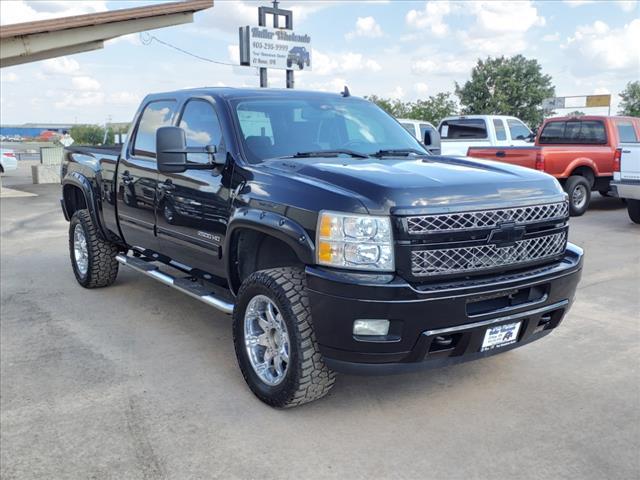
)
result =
(577, 101)
(274, 48)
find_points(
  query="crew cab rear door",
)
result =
(192, 209)
(138, 175)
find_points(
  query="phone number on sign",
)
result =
(269, 46)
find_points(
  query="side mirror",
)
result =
(172, 150)
(171, 146)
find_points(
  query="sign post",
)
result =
(277, 47)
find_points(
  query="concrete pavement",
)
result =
(137, 381)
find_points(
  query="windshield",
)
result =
(285, 127)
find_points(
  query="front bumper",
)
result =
(422, 316)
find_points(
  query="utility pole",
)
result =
(262, 22)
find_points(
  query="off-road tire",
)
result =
(103, 266)
(633, 209)
(307, 377)
(574, 182)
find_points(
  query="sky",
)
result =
(399, 49)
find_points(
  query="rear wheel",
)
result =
(633, 209)
(579, 191)
(92, 258)
(275, 342)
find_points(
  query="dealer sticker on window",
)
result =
(500, 336)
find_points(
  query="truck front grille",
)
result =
(464, 260)
(420, 225)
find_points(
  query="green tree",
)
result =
(434, 108)
(576, 113)
(88, 134)
(630, 104)
(506, 86)
(395, 107)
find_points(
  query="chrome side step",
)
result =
(183, 285)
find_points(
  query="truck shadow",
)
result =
(598, 202)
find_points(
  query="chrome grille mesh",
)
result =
(481, 257)
(486, 218)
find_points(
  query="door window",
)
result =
(155, 115)
(202, 128)
(626, 132)
(501, 133)
(518, 130)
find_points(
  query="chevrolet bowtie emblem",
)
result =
(506, 235)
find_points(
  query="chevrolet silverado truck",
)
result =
(578, 151)
(327, 231)
(626, 177)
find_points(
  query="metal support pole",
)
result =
(262, 22)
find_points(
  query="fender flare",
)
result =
(581, 162)
(92, 201)
(272, 224)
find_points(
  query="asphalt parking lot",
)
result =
(139, 381)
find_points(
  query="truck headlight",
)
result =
(362, 242)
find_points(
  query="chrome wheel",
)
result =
(579, 196)
(80, 250)
(266, 339)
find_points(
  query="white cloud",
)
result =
(421, 88)
(60, 66)
(398, 92)
(597, 47)
(366, 27)
(9, 77)
(505, 17)
(227, 16)
(80, 99)
(431, 17)
(324, 64)
(442, 65)
(551, 37)
(124, 98)
(85, 83)
(19, 11)
(577, 3)
(628, 5)
(234, 53)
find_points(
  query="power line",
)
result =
(146, 39)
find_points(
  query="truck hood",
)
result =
(424, 185)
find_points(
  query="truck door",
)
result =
(192, 210)
(518, 132)
(138, 175)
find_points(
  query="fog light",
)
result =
(371, 327)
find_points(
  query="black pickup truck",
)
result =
(330, 234)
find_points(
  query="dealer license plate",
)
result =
(500, 336)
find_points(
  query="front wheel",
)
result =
(633, 209)
(275, 342)
(579, 191)
(92, 258)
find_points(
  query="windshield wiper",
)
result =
(328, 153)
(399, 152)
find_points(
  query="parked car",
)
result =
(8, 160)
(578, 151)
(425, 132)
(329, 233)
(299, 56)
(459, 133)
(626, 177)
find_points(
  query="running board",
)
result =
(184, 285)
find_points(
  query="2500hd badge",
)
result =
(328, 232)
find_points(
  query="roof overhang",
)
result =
(32, 41)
